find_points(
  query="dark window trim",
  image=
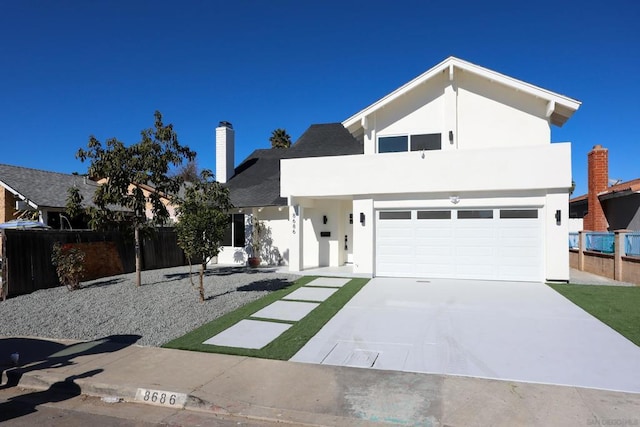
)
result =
(475, 214)
(434, 215)
(394, 215)
(518, 213)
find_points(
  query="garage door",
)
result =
(498, 244)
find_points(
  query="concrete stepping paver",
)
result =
(286, 310)
(331, 282)
(311, 294)
(253, 334)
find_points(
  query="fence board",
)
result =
(27, 263)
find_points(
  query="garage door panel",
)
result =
(504, 248)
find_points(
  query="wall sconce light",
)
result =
(324, 219)
(451, 136)
(558, 217)
(362, 218)
(454, 199)
(350, 218)
(240, 211)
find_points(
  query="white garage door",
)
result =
(499, 244)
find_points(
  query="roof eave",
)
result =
(617, 194)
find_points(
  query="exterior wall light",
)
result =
(324, 219)
(454, 199)
(362, 218)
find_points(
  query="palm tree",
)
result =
(280, 139)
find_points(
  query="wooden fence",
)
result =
(26, 255)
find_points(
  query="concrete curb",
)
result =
(315, 395)
(40, 382)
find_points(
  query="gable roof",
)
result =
(621, 190)
(618, 190)
(44, 189)
(560, 108)
(256, 181)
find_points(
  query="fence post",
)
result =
(581, 243)
(4, 282)
(619, 249)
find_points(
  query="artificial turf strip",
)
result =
(287, 344)
(616, 306)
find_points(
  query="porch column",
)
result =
(619, 252)
(296, 253)
(581, 248)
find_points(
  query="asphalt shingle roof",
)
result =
(256, 181)
(44, 188)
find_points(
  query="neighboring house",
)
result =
(604, 207)
(41, 192)
(43, 195)
(452, 175)
(147, 190)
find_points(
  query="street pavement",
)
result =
(302, 394)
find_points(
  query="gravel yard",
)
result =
(165, 307)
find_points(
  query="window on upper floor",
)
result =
(400, 143)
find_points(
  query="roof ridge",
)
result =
(40, 170)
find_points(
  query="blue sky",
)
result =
(71, 69)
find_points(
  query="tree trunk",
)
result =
(202, 268)
(138, 256)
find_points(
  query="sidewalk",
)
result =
(303, 394)
(585, 278)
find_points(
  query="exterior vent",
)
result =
(23, 205)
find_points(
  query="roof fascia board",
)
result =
(450, 64)
(617, 194)
(17, 193)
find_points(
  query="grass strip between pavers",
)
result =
(616, 306)
(287, 344)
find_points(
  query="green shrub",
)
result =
(69, 263)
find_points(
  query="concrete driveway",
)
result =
(502, 330)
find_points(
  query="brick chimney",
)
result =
(225, 156)
(598, 176)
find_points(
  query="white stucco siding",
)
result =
(363, 236)
(496, 169)
(492, 115)
(276, 235)
(421, 111)
(557, 234)
(328, 250)
(276, 241)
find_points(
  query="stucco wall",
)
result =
(497, 169)
(492, 115)
(275, 241)
(555, 241)
(480, 114)
(363, 236)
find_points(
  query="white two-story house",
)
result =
(453, 175)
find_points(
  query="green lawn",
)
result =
(617, 306)
(287, 344)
